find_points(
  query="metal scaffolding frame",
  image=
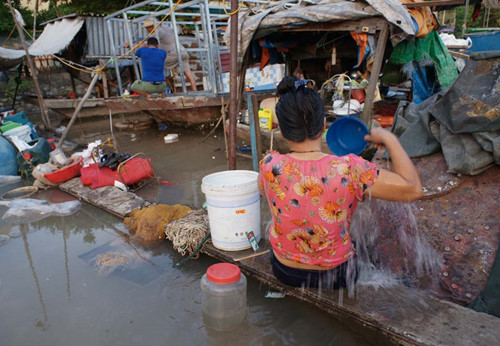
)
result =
(126, 25)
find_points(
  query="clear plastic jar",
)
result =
(223, 296)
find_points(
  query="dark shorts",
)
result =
(331, 279)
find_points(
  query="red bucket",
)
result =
(130, 172)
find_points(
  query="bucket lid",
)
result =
(223, 273)
(234, 182)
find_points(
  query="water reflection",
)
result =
(44, 325)
(65, 234)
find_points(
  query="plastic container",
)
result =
(9, 125)
(23, 132)
(58, 157)
(346, 136)
(266, 118)
(66, 173)
(233, 204)
(171, 138)
(20, 118)
(8, 161)
(223, 297)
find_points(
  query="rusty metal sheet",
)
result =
(459, 217)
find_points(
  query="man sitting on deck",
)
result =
(168, 43)
(152, 59)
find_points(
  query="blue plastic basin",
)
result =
(346, 136)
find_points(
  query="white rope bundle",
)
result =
(188, 232)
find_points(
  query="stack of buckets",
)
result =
(233, 204)
(18, 125)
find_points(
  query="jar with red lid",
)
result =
(223, 296)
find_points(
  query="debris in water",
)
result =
(4, 239)
(171, 138)
(110, 259)
(275, 295)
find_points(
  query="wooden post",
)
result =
(253, 133)
(377, 65)
(105, 84)
(78, 109)
(41, 102)
(255, 106)
(233, 87)
(54, 4)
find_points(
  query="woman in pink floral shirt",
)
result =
(312, 195)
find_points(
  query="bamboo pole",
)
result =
(41, 102)
(78, 109)
(374, 76)
(34, 19)
(233, 86)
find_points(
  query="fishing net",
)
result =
(149, 223)
(188, 232)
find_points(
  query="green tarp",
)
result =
(430, 48)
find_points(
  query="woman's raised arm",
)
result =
(402, 184)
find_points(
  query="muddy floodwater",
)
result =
(80, 280)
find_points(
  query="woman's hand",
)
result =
(379, 137)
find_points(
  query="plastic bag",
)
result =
(87, 154)
(28, 210)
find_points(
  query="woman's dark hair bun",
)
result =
(300, 110)
(286, 86)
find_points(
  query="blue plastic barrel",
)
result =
(8, 158)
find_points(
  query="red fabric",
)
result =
(362, 42)
(264, 59)
(131, 172)
(477, 11)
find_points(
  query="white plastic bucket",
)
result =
(22, 132)
(233, 204)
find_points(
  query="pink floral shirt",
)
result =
(312, 203)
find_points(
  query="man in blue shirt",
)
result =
(152, 60)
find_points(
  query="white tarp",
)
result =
(55, 37)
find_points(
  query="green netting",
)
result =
(425, 49)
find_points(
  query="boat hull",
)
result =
(66, 107)
(188, 110)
